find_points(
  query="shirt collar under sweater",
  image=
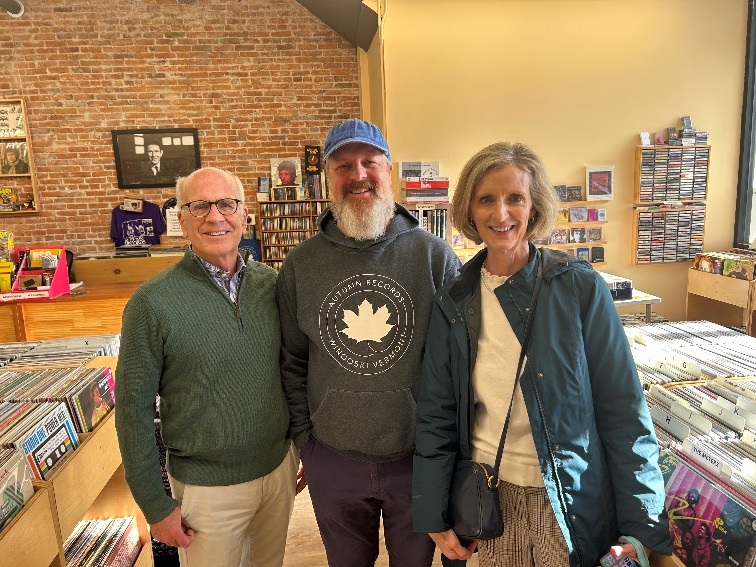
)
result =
(227, 282)
(402, 222)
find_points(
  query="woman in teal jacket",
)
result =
(590, 473)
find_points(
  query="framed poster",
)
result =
(154, 157)
(599, 182)
(15, 159)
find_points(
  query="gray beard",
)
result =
(369, 223)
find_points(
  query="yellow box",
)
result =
(35, 255)
(5, 282)
(6, 267)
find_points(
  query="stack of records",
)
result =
(711, 521)
(66, 353)
(87, 392)
(11, 351)
(103, 542)
(132, 251)
(15, 484)
(45, 433)
(167, 250)
(691, 350)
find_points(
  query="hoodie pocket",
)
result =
(372, 423)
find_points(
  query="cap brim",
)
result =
(354, 141)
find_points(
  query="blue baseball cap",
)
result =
(354, 130)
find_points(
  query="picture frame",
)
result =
(19, 153)
(280, 165)
(599, 182)
(152, 158)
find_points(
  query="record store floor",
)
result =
(304, 548)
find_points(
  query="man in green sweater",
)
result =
(204, 336)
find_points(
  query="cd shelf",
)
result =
(284, 224)
(671, 173)
(670, 191)
(667, 234)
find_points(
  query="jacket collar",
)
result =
(554, 263)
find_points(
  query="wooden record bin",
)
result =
(721, 299)
(88, 484)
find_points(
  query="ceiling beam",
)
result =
(351, 19)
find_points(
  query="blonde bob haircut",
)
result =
(496, 156)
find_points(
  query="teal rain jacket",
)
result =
(591, 425)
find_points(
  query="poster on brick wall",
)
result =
(154, 157)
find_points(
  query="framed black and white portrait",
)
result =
(152, 158)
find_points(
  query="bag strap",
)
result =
(494, 480)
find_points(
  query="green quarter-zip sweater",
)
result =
(215, 367)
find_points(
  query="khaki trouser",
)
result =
(242, 524)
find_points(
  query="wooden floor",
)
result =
(304, 547)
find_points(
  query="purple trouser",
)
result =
(349, 496)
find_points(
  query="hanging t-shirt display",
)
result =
(128, 228)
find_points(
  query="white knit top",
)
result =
(492, 382)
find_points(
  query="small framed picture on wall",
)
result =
(599, 182)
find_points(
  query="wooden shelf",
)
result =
(721, 299)
(654, 225)
(656, 183)
(701, 169)
(121, 270)
(574, 244)
(309, 210)
(447, 232)
(583, 203)
(94, 309)
(96, 460)
(31, 537)
(89, 484)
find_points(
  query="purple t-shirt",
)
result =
(128, 228)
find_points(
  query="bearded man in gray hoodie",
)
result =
(355, 301)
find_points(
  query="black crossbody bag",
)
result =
(474, 510)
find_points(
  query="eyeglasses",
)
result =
(202, 208)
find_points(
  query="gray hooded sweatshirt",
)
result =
(354, 316)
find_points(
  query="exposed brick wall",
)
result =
(257, 78)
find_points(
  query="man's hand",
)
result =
(449, 544)
(301, 480)
(172, 531)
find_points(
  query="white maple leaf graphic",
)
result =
(365, 324)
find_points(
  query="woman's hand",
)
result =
(449, 544)
(627, 550)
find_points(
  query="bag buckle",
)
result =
(489, 478)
